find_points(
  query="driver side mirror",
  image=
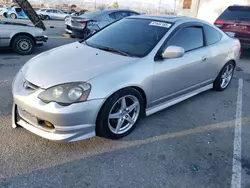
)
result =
(173, 52)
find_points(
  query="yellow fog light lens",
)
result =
(48, 124)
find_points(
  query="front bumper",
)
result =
(71, 123)
(43, 38)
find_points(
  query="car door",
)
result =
(50, 13)
(59, 15)
(5, 32)
(178, 76)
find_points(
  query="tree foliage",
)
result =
(115, 5)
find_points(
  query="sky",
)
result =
(155, 3)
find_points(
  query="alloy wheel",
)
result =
(227, 75)
(124, 114)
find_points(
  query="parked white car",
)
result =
(2, 9)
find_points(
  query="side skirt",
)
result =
(174, 101)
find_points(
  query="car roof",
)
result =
(166, 18)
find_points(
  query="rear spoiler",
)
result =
(230, 34)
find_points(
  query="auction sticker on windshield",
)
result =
(160, 24)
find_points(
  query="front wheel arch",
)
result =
(21, 34)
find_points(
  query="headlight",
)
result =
(66, 94)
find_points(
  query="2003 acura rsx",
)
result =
(103, 85)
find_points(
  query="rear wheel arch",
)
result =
(217, 83)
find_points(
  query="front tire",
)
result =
(119, 114)
(23, 45)
(225, 76)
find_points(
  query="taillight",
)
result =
(83, 22)
(219, 23)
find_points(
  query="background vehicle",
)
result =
(90, 22)
(20, 37)
(136, 66)
(53, 14)
(16, 13)
(236, 19)
(66, 11)
(79, 13)
(2, 9)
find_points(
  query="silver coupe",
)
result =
(134, 67)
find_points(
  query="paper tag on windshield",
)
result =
(160, 24)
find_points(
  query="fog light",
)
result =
(48, 124)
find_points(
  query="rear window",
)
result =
(92, 14)
(236, 13)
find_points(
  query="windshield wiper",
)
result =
(108, 49)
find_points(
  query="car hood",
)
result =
(71, 63)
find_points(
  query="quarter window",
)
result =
(212, 36)
(189, 38)
(117, 15)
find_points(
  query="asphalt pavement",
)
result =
(189, 145)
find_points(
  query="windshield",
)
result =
(136, 37)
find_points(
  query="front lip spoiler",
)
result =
(64, 134)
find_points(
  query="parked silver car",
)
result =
(20, 37)
(90, 22)
(52, 14)
(138, 65)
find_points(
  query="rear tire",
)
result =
(107, 124)
(225, 76)
(23, 45)
(13, 16)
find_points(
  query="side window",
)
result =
(133, 14)
(116, 15)
(124, 14)
(49, 11)
(212, 36)
(112, 16)
(189, 38)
